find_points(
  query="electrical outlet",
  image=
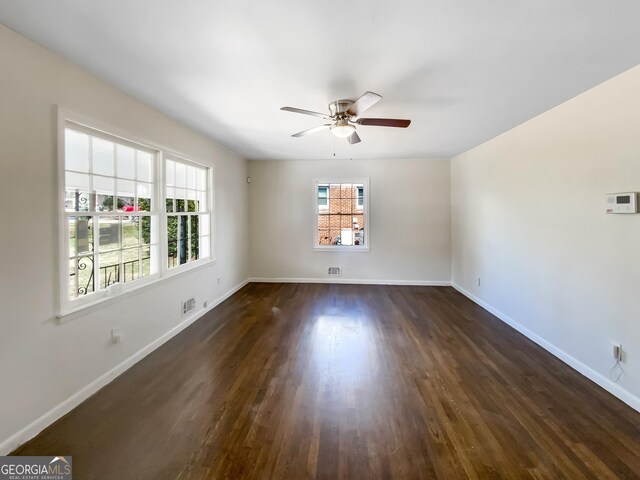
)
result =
(116, 335)
(218, 281)
(478, 281)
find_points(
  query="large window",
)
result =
(341, 214)
(116, 231)
(110, 211)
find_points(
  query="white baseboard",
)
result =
(356, 281)
(77, 398)
(609, 385)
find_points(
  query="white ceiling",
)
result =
(464, 71)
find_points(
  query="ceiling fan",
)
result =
(342, 115)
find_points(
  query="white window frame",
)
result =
(70, 308)
(365, 212)
(191, 264)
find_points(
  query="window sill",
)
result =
(106, 298)
(342, 248)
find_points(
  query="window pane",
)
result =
(180, 203)
(191, 177)
(172, 244)
(109, 269)
(145, 229)
(169, 202)
(201, 179)
(205, 229)
(80, 235)
(145, 194)
(323, 237)
(104, 188)
(183, 236)
(82, 280)
(195, 237)
(145, 258)
(131, 232)
(204, 246)
(181, 175)
(145, 164)
(130, 264)
(169, 174)
(76, 151)
(126, 195)
(334, 204)
(172, 227)
(172, 258)
(76, 192)
(102, 156)
(125, 161)
(202, 202)
(109, 233)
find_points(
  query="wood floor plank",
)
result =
(316, 381)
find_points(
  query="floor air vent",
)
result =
(188, 305)
(334, 272)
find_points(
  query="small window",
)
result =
(187, 212)
(341, 216)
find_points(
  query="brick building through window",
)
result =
(341, 214)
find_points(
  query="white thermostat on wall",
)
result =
(622, 202)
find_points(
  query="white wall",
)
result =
(528, 217)
(43, 363)
(409, 220)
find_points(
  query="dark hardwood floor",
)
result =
(289, 381)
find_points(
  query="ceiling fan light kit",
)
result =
(343, 113)
(342, 129)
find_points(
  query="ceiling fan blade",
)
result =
(306, 112)
(312, 130)
(353, 138)
(366, 101)
(384, 122)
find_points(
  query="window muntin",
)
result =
(109, 211)
(341, 220)
(187, 212)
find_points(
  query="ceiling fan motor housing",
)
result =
(339, 107)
